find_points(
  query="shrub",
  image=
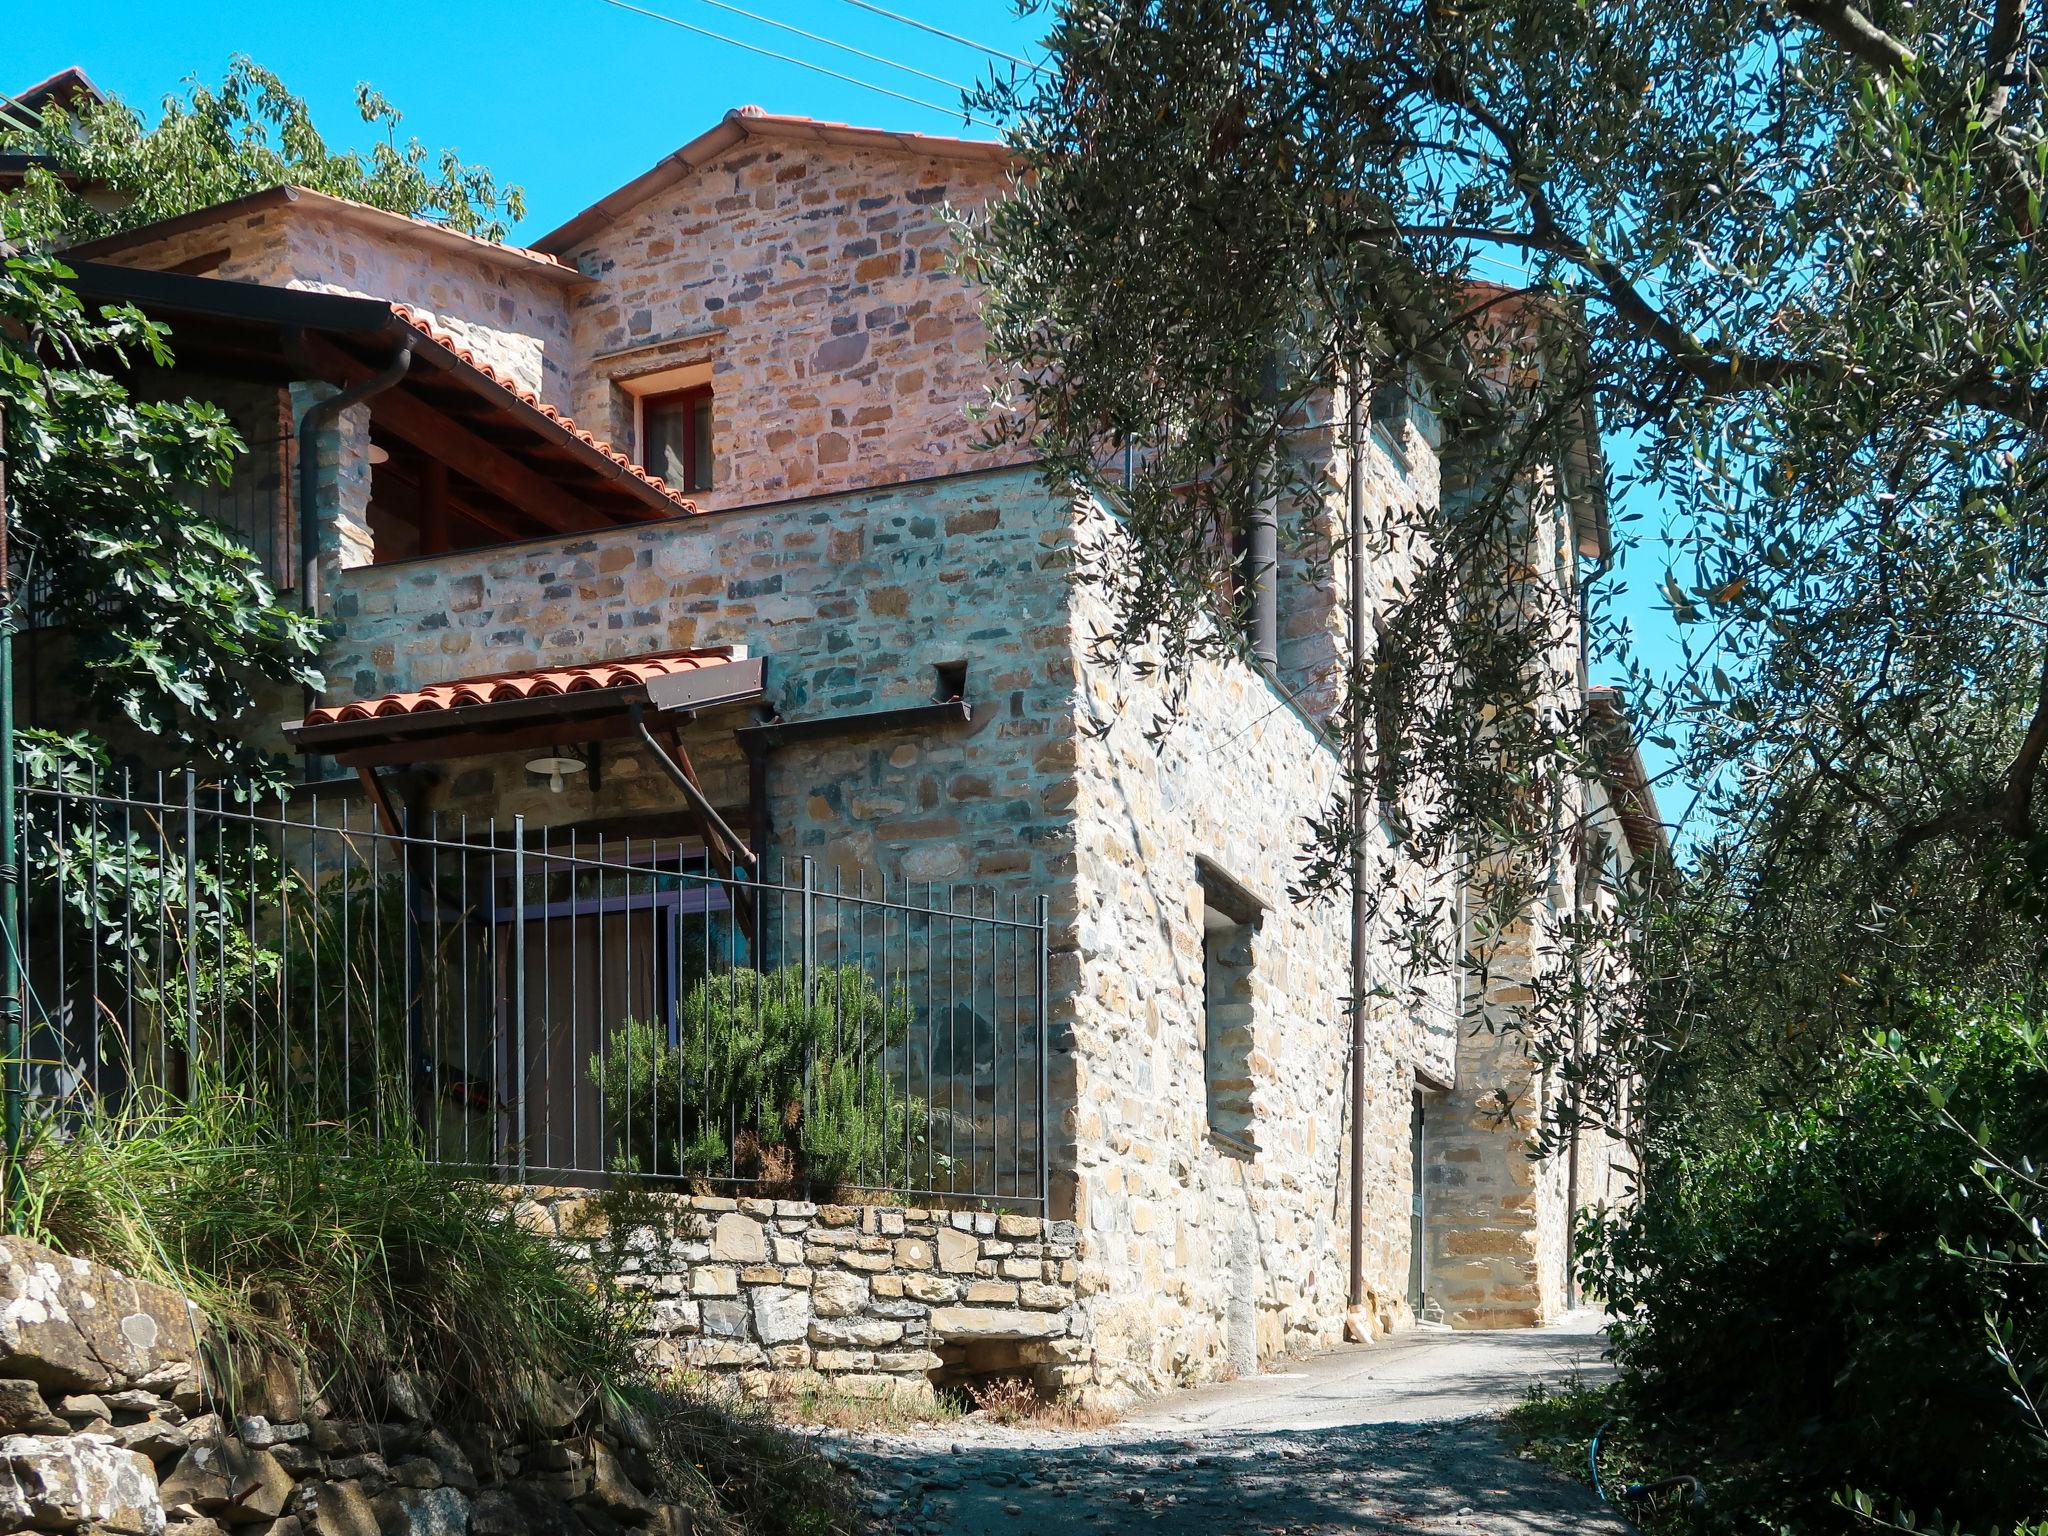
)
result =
(1851, 1297)
(762, 1085)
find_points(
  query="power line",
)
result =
(786, 58)
(951, 37)
(833, 42)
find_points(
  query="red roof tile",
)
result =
(540, 682)
(425, 325)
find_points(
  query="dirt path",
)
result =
(1395, 1438)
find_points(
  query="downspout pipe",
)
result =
(1357, 764)
(315, 417)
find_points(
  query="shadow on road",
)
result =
(1420, 1479)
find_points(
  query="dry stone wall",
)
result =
(112, 1424)
(867, 1299)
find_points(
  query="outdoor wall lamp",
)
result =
(554, 770)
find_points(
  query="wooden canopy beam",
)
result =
(439, 436)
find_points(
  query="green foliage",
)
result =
(1853, 1293)
(336, 1241)
(763, 1085)
(1558, 1425)
(245, 135)
(175, 626)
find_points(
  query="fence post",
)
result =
(807, 917)
(519, 989)
(1044, 1076)
(191, 934)
(11, 883)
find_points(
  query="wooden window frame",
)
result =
(687, 398)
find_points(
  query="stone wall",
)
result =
(514, 320)
(863, 1299)
(813, 279)
(851, 600)
(113, 1424)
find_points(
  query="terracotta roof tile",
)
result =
(425, 325)
(539, 682)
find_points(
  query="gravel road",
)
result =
(1395, 1437)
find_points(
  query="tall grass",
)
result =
(339, 1244)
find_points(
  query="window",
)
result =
(675, 437)
(1230, 925)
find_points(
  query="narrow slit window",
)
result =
(1230, 925)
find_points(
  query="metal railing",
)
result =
(533, 1005)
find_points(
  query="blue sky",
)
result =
(573, 97)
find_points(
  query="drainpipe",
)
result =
(1601, 567)
(1262, 573)
(1360, 803)
(1262, 550)
(314, 417)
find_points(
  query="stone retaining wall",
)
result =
(867, 1299)
(110, 1426)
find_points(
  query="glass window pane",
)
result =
(662, 423)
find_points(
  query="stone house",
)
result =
(864, 631)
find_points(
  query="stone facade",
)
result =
(115, 1422)
(859, 541)
(511, 311)
(866, 1300)
(815, 282)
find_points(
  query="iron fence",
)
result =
(533, 1005)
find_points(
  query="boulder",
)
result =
(86, 1480)
(81, 1327)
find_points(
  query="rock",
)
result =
(781, 1313)
(417, 1472)
(23, 1411)
(85, 1480)
(254, 1429)
(958, 1251)
(367, 1465)
(739, 1239)
(449, 1460)
(610, 1489)
(400, 1397)
(194, 1525)
(995, 1323)
(84, 1407)
(147, 1404)
(343, 1510)
(236, 1484)
(424, 1512)
(157, 1439)
(519, 1510)
(839, 1293)
(83, 1327)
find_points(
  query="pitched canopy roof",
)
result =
(526, 468)
(532, 707)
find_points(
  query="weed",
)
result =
(1013, 1400)
(1556, 1426)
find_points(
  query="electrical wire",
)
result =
(833, 42)
(786, 58)
(951, 37)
